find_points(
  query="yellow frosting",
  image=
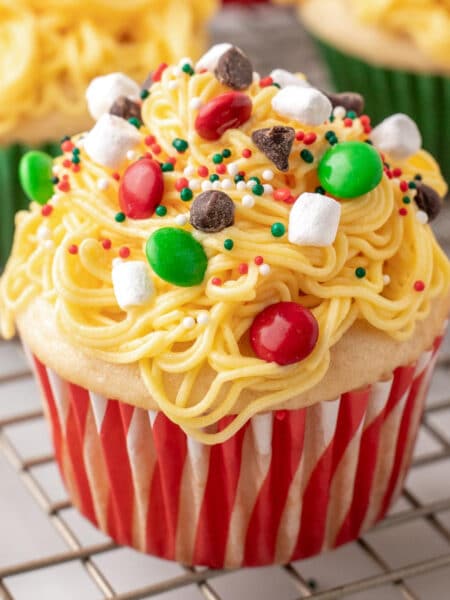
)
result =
(51, 49)
(427, 22)
(372, 234)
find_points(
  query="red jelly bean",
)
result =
(141, 189)
(284, 333)
(227, 111)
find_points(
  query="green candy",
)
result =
(176, 257)
(350, 169)
(35, 174)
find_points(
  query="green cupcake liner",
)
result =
(425, 98)
(12, 197)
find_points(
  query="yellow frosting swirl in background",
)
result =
(51, 49)
(371, 235)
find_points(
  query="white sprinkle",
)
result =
(250, 184)
(386, 279)
(268, 189)
(233, 169)
(43, 233)
(216, 184)
(189, 171)
(203, 318)
(102, 183)
(194, 184)
(264, 269)
(173, 85)
(268, 175)
(176, 71)
(422, 217)
(227, 184)
(181, 220)
(206, 185)
(248, 201)
(256, 77)
(49, 244)
(131, 155)
(188, 322)
(241, 186)
(56, 170)
(55, 199)
(339, 112)
(195, 103)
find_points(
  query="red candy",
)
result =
(227, 111)
(141, 189)
(284, 333)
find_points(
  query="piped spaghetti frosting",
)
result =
(57, 46)
(191, 343)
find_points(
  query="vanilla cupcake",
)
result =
(56, 48)
(233, 305)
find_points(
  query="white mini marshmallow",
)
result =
(132, 283)
(110, 139)
(398, 136)
(103, 92)
(285, 78)
(209, 60)
(314, 220)
(304, 104)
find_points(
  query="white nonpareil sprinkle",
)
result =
(194, 184)
(110, 139)
(49, 244)
(102, 183)
(268, 175)
(189, 171)
(386, 279)
(284, 78)
(131, 155)
(176, 71)
(264, 269)
(43, 233)
(339, 112)
(181, 220)
(203, 318)
(398, 136)
(422, 217)
(241, 186)
(103, 91)
(206, 185)
(227, 184)
(250, 184)
(195, 103)
(210, 60)
(314, 220)
(248, 201)
(216, 184)
(188, 322)
(268, 189)
(132, 283)
(304, 104)
(233, 169)
(173, 85)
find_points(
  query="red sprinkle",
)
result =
(67, 163)
(65, 177)
(203, 171)
(156, 149)
(282, 194)
(76, 168)
(243, 268)
(181, 183)
(106, 243)
(172, 160)
(67, 146)
(404, 186)
(265, 82)
(259, 260)
(46, 210)
(64, 186)
(246, 152)
(299, 136)
(365, 120)
(124, 252)
(216, 281)
(221, 169)
(309, 138)
(348, 122)
(156, 75)
(419, 286)
(367, 129)
(148, 155)
(397, 172)
(403, 212)
(116, 176)
(388, 173)
(73, 249)
(241, 173)
(150, 140)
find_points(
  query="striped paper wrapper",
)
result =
(288, 485)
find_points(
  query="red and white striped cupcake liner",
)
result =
(288, 485)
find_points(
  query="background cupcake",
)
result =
(397, 54)
(233, 308)
(56, 48)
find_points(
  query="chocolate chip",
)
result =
(276, 144)
(349, 100)
(428, 200)
(212, 211)
(126, 109)
(234, 69)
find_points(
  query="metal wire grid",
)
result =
(203, 578)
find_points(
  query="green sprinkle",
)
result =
(161, 210)
(65, 138)
(76, 159)
(320, 190)
(412, 185)
(369, 142)
(351, 114)
(54, 180)
(278, 229)
(228, 244)
(76, 151)
(332, 118)
(166, 167)
(418, 177)
(277, 85)
(144, 94)
(186, 194)
(217, 159)
(214, 177)
(120, 217)
(255, 179)
(406, 200)
(186, 68)
(329, 134)
(226, 153)
(180, 145)
(360, 272)
(258, 189)
(307, 156)
(238, 178)
(135, 121)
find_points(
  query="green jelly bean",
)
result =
(35, 174)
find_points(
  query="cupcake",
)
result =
(397, 54)
(57, 47)
(233, 307)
